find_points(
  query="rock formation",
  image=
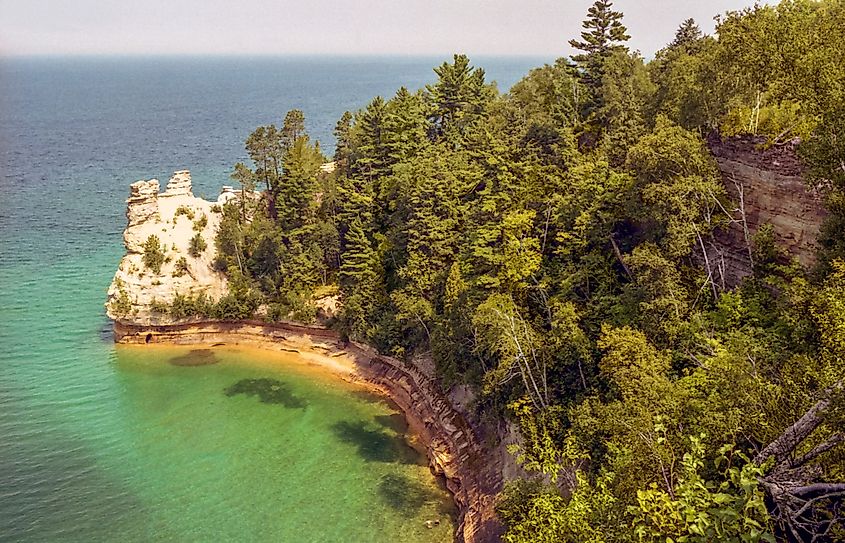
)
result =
(174, 217)
(767, 187)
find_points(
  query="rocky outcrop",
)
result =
(174, 217)
(472, 475)
(767, 187)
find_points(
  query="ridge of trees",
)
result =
(549, 246)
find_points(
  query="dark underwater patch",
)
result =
(405, 494)
(196, 357)
(374, 444)
(394, 421)
(267, 390)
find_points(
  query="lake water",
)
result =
(106, 443)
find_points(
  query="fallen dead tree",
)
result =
(805, 508)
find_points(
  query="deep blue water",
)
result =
(91, 445)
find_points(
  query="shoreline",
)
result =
(440, 431)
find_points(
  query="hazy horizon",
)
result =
(415, 28)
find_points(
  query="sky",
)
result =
(345, 27)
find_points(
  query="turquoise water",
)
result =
(99, 443)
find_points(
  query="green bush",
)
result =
(158, 307)
(197, 245)
(153, 254)
(201, 223)
(121, 306)
(181, 267)
(184, 210)
(186, 306)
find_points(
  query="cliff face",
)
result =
(767, 186)
(174, 217)
(472, 473)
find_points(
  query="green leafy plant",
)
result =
(184, 210)
(121, 305)
(701, 511)
(181, 267)
(201, 223)
(153, 254)
(197, 245)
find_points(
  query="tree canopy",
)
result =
(551, 248)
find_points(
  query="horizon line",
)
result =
(274, 55)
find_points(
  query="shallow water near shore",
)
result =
(106, 443)
(237, 446)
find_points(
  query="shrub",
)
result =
(201, 223)
(184, 210)
(197, 245)
(186, 306)
(220, 264)
(153, 254)
(181, 267)
(120, 306)
(216, 209)
(158, 307)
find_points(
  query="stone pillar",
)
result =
(179, 184)
(142, 205)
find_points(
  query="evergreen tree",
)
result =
(359, 281)
(687, 35)
(265, 148)
(458, 98)
(342, 134)
(298, 183)
(293, 127)
(371, 154)
(603, 34)
(405, 125)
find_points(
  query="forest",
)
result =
(548, 247)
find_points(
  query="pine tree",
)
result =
(293, 127)
(405, 125)
(458, 97)
(372, 159)
(687, 35)
(298, 183)
(265, 148)
(603, 34)
(359, 279)
(343, 148)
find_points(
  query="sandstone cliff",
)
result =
(174, 217)
(768, 187)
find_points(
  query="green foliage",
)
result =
(157, 306)
(556, 248)
(153, 257)
(603, 35)
(458, 98)
(121, 305)
(181, 267)
(201, 223)
(700, 511)
(184, 210)
(534, 512)
(197, 245)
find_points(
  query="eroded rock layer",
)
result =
(767, 187)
